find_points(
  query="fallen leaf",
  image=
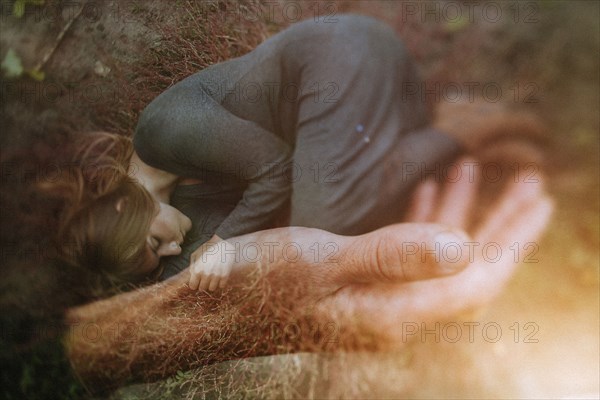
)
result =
(12, 64)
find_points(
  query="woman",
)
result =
(315, 117)
(105, 215)
(312, 128)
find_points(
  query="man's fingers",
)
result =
(528, 223)
(459, 195)
(484, 280)
(396, 306)
(423, 202)
(402, 253)
(513, 199)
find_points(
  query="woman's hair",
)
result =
(106, 215)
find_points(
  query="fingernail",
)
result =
(450, 236)
(174, 245)
(450, 249)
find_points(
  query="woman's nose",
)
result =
(169, 249)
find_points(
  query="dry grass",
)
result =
(195, 37)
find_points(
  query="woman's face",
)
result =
(166, 234)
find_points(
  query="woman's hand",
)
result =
(211, 264)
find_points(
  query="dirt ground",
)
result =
(543, 56)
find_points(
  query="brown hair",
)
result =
(106, 214)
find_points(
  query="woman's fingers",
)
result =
(402, 253)
(214, 282)
(194, 280)
(205, 282)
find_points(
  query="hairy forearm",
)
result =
(291, 289)
(155, 331)
(112, 339)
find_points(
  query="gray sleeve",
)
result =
(187, 133)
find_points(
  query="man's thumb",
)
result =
(404, 253)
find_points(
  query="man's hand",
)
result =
(369, 283)
(516, 220)
(211, 264)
